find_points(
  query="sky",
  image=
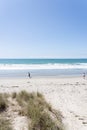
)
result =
(43, 28)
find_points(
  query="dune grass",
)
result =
(3, 102)
(38, 110)
(40, 114)
(14, 94)
(5, 124)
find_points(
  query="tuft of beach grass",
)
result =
(5, 124)
(38, 111)
(3, 103)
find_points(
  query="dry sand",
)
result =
(69, 95)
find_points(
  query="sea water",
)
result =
(42, 67)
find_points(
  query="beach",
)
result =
(66, 94)
(43, 65)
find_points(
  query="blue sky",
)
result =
(43, 28)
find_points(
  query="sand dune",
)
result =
(69, 95)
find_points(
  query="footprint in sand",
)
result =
(15, 86)
(28, 82)
(80, 118)
(84, 122)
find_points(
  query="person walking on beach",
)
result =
(29, 75)
(84, 75)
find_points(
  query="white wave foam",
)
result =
(42, 66)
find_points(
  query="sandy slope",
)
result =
(69, 95)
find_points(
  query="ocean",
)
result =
(42, 67)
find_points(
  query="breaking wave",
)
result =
(42, 66)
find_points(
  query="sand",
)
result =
(69, 95)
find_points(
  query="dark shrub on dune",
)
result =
(3, 103)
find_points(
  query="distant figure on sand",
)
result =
(29, 75)
(84, 75)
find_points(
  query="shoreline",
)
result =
(42, 73)
(41, 76)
